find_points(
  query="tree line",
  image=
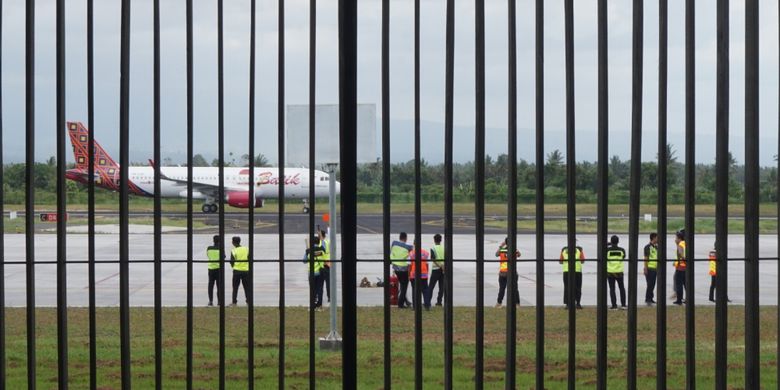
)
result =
(370, 186)
(370, 183)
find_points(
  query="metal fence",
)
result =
(347, 44)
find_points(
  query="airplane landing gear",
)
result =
(306, 206)
(209, 208)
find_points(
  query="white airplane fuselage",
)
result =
(266, 183)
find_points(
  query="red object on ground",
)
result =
(326, 217)
(393, 290)
(51, 217)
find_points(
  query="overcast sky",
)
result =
(369, 50)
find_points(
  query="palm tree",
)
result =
(671, 155)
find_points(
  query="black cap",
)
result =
(681, 234)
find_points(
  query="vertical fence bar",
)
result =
(124, 160)
(157, 205)
(2, 220)
(690, 192)
(280, 151)
(417, 298)
(348, 161)
(221, 183)
(603, 196)
(448, 184)
(571, 181)
(511, 311)
(62, 271)
(91, 193)
(250, 330)
(479, 190)
(663, 161)
(386, 190)
(29, 232)
(635, 182)
(312, 151)
(752, 346)
(539, 184)
(722, 191)
(777, 195)
(190, 147)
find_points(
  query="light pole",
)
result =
(332, 341)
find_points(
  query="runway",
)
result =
(266, 284)
(298, 223)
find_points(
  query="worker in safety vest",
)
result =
(214, 254)
(503, 273)
(579, 256)
(615, 266)
(422, 275)
(438, 269)
(713, 272)
(325, 273)
(239, 260)
(651, 268)
(679, 268)
(315, 254)
(399, 256)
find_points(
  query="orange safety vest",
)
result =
(423, 264)
(503, 256)
(679, 264)
(713, 262)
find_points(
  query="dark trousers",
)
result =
(403, 281)
(241, 277)
(317, 281)
(215, 279)
(426, 296)
(679, 284)
(325, 274)
(503, 280)
(437, 277)
(611, 279)
(577, 287)
(650, 277)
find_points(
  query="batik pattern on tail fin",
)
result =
(106, 169)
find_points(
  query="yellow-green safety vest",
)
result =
(438, 252)
(399, 255)
(240, 258)
(615, 261)
(652, 258)
(565, 258)
(213, 255)
(325, 250)
(319, 264)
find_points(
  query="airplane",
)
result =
(205, 180)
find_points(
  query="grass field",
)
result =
(370, 344)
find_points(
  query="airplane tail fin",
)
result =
(78, 139)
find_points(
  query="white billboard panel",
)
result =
(326, 125)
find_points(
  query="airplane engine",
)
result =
(242, 200)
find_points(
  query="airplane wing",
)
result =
(204, 188)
